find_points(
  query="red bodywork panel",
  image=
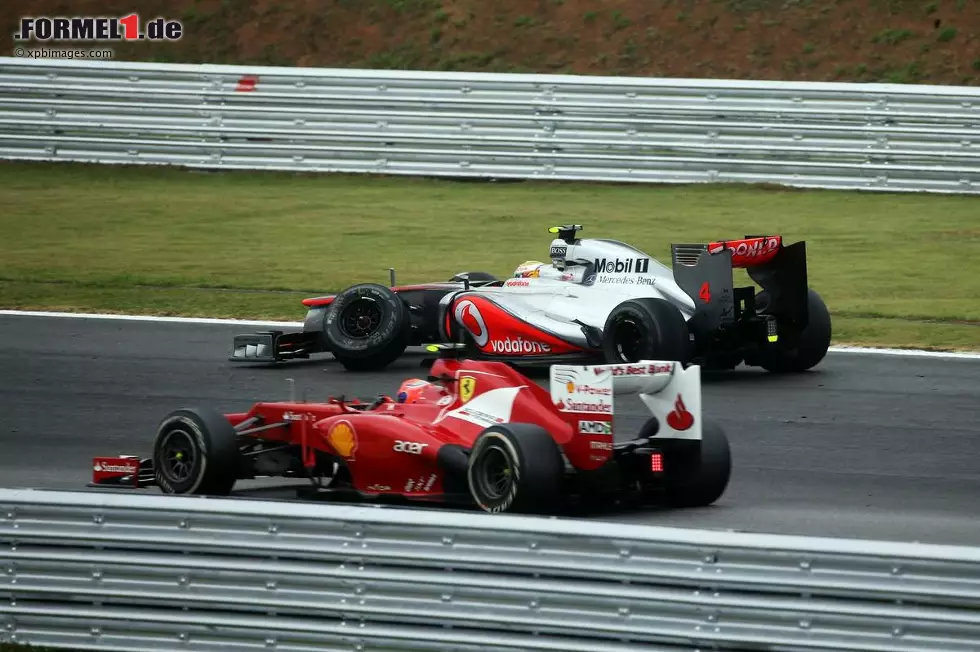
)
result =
(498, 332)
(113, 469)
(393, 447)
(749, 252)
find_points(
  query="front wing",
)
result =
(123, 471)
(274, 346)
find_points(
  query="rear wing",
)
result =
(705, 273)
(671, 393)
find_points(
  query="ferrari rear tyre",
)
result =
(367, 327)
(646, 329)
(699, 475)
(813, 343)
(196, 452)
(516, 467)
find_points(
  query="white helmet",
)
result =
(529, 269)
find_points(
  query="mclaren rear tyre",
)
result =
(516, 467)
(813, 342)
(196, 452)
(367, 327)
(698, 475)
(646, 329)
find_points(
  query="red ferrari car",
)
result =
(474, 431)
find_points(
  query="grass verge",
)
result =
(895, 269)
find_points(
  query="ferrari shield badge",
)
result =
(467, 384)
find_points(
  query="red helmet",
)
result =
(411, 390)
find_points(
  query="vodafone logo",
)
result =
(519, 345)
(468, 315)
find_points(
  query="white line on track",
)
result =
(298, 324)
(155, 318)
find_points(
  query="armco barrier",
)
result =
(149, 572)
(505, 126)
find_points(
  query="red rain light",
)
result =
(657, 462)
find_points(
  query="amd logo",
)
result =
(595, 428)
(617, 266)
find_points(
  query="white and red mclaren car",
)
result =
(597, 301)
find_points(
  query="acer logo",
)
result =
(617, 266)
(601, 445)
(412, 447)
(518, 345)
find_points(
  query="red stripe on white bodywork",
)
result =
(498, 332)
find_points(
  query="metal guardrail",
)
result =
(504, 126)
(150, 572)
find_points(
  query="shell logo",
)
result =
(570, 387)
(343, 439)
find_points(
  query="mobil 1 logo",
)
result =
(622, 266)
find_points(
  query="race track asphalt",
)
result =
(865, 446)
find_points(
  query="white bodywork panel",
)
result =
(671, 392)
(584, 282)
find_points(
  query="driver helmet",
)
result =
(529, 269)
(414, 389)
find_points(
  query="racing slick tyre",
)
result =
(813, 343)
(697, 476)
(646, 329)
(367, 327)
(515, 467)
(196, 452)
(474, 277)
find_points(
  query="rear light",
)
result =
(657, 462)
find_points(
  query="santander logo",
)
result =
(679, 418)
(469, 316)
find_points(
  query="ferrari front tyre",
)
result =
(516, 467)
(367, 327)
(196, 452)
(645, 329)
(698, 475)
(812, 344)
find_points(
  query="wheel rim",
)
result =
(178, 455)
(361, 318)
(493, 473)
(628, 335)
